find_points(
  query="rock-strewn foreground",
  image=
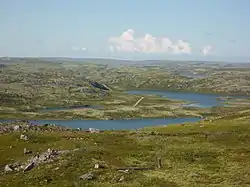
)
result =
(209, 153)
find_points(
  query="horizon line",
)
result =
(122, 59)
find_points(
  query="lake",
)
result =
(114, 124)
(195, 99)
(201, 100)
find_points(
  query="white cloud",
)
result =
(127, 42)
(206, 50)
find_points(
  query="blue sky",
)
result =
(164, 29)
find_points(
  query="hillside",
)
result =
(208, 153)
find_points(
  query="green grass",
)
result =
(201, 154)
(117, 105)
(208, 153)
(35, 84)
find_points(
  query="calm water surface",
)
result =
(113, 124)
(201, 100)
(195, 99)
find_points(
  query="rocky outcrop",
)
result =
(87, 176)
(26, 126)
(17, 128)
(93, 130)
(8, 168)
(26, 151)
(24, 137)
(99, 85)
(48, 156)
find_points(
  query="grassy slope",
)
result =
(202, 154)
(232, 82)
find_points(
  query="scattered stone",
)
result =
(39, 158)
(57, 168)
(30, 166)
(87, 176)
(92, 130)
(49, 180)
(121, 179)
(97, 166)
(17, 128)
(26, 151)
(16, 166)
(26, 126)
(124, 171)
(65, 151)
(159, 163)
(11, 146)
(49, 154)
(50, 151)
(24, 137)
(194, 175)
(7, 168)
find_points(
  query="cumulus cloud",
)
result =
(206, 50)
(127, 42)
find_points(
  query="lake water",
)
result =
(195, 99)
(201, 100)
(113, 124)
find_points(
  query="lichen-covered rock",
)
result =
(26, 151)
(48, 156)
(92, 130)
(24, 137)
(121, 179)
(17, 128)
(7, 169)
(97, 166)
(29, 166)
(87, 176)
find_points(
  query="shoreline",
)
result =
(63, 123)
(188, 91)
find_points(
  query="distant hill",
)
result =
(116, 62)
